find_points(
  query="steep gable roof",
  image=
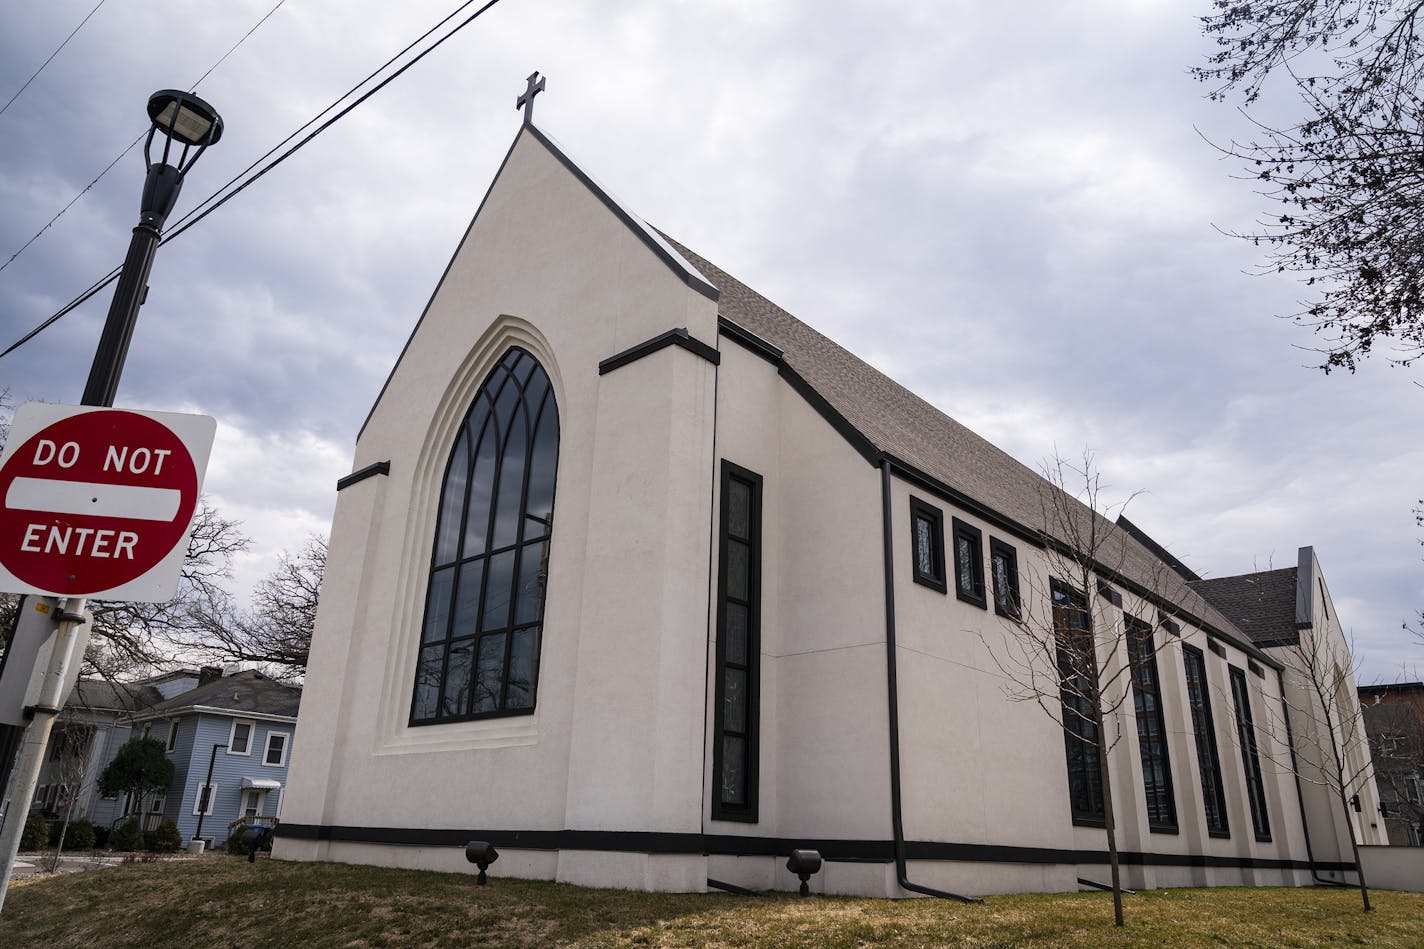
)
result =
(1262, 605)
(891, 421)
(245, 692)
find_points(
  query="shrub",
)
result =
(36, 833)
(165, 839)
(80, 836)
(101, 837)
(54, 828)
(126, 836)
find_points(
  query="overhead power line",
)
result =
(52, 56)
(119, 157)
(217, 199)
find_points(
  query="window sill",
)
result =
(1219, 834)
(1163, 829)
(1098, 822)
(978, 601)
(938, 586)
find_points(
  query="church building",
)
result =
(646, 582)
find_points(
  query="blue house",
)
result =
(230, 740)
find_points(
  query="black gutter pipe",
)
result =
(1299, 794)
(897, 826)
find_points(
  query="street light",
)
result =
(186, 120)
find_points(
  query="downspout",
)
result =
(1299, 794)
(897, 827)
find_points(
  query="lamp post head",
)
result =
(190, 122)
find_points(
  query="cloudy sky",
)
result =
(1012, 209)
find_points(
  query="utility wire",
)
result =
(194, 216)
(86, 189)
(52, 56)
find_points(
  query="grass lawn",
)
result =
(227, 902)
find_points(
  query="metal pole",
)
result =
(31, 757)
(123, 314)
(208, 787)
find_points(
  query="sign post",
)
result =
(94, 502)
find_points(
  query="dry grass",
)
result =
(221, 902)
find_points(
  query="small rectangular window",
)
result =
(239, 742)
(276, 753)
(927, 544)
(1004, 568)
(969, 564)
(203, 800)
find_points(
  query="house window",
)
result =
(276, 752)
(251, 805)
(927, 544)
(173, 735)
(239, 741)
(1151, 728)
(1208, 762)
(203, 799)
(1077, 676)
(968, 563)
(1004, 569)
(1250, 760)
(484, 603)
(734, 751)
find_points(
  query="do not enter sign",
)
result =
(99, 502)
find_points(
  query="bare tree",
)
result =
(1078, 661)
(275, 631)
(1344, 174)
(72, 742)
(1336, 757)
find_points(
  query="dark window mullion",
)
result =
(516, 571)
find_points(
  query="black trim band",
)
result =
(749, 340)
(370, 471)
(674, 337)
(870, 851)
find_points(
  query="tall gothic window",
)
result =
(1078, 686)
(484, 605)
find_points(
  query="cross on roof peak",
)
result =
(526, 101)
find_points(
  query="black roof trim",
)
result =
(370, 471)
(674, 337)
(749, 340)
(1141, 536)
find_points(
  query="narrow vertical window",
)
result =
(484, 602)
(969, 563)
(1250, 759)
(1208, 761)
(1077, 675)
(927, 544)
(1004, 569)
(1151, 728)
(735, 716)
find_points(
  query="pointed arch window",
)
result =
(484, 603)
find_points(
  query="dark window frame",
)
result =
(1208, 756)
(1250, 756)
(975, 537)
(746, 811)
(936, 578)
(1082, 742)
(1153, 748)
(1012, 604)
(520, 377)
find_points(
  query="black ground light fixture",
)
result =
(804, 863)
(182, 119)
(481, 853)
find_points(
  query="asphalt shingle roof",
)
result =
(1262, 605)
(249, 691)
(901, 424)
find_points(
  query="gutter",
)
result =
(897, 826)
(1299, 794)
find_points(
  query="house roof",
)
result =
(247, 692)
(1262, 605)
(95, 695)
(892, 421)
